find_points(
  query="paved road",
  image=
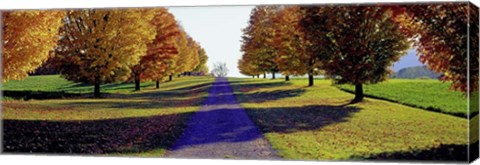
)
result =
(222, 129)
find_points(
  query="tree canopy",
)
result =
(28, 39)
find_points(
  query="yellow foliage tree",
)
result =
(100, 46)
(188, 54)
(28, 37)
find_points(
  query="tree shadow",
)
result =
(128, 135)
(40, 95)
(444, 152)
(247, 86)
(293, 119)
(260, 97)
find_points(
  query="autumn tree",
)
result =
(246, 67)
(358, 43)
(441, 38)
(202, 67)
(291, 45)
(188, 58)
(258, 38)
(100, 46)
(28, 39)
(161, 51)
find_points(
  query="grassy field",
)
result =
(52, 84)
(318, 123)
(141, 123)
(426, 94)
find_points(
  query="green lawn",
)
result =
(426, 94)
(317, 123)
(141, 123)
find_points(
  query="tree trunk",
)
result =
(358, 93)
(96, 90)
(258, 75)
(310, 79)
(253, 76)
(170, 78)
(158, 84)
(137, 82)
(273, 75)
(264, 75)
(287, 78)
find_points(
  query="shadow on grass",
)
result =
(247, 86)
(39, 95)
(292, 119)
(129, 135)
(259, 97)
(445, 152)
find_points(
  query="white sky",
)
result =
(218, 29)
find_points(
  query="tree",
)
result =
(28, 38)
(246, 67)
(360, 43)
(220, 69)
(258, 37)
(153, 66)
(100, 46)
(440, 30)
(202, 67)
(291, 45)
(188, 57)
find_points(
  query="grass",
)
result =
(426, 94)
(143, 123)
(317, 123)
(55, 83)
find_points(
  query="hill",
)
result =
(416, 72)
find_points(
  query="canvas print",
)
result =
(354, 82)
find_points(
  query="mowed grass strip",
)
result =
(143, 123)
(427, 94)
(317, 123)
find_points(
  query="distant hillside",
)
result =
(415, 72)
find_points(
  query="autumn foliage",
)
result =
(442, 39)
(258, 40)
(360, 43)
(357, 44)
(28, 39)
(160, 52)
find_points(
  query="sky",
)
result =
(218, 29)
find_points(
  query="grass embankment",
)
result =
(431, 95)
(318, 123)
(143, 123)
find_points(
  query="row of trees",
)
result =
(98, 46)
(357, 44)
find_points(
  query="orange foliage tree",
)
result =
(161, 52)
(28, 37)
(358, 44)
(440, 33)
(291, 45)
(258, 39)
